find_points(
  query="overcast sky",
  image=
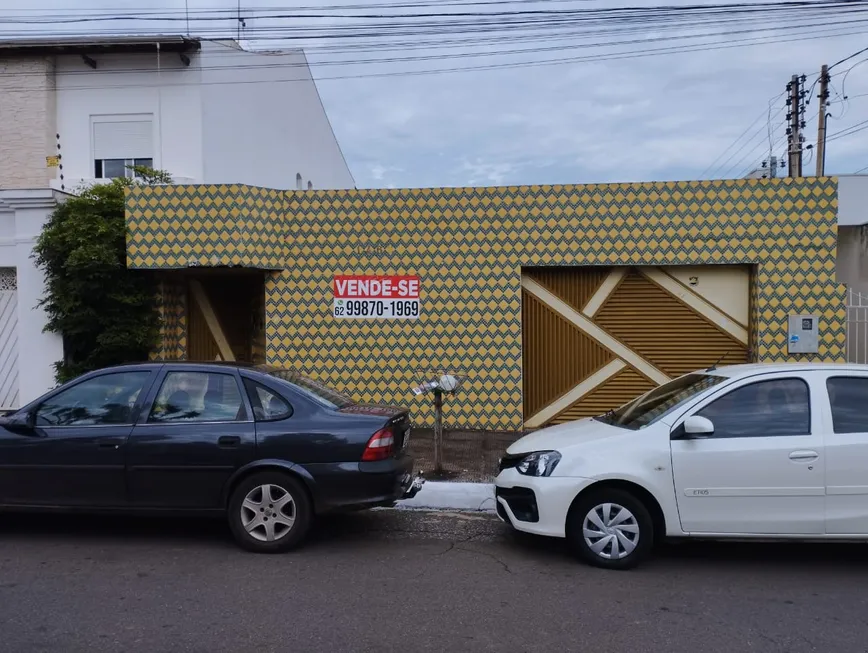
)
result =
(650, 118)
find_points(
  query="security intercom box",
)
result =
(804, 334)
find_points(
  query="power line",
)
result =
(753, 8)
(459, 55)
(731, 145)
(749, 155)
(766, 113)
(780, 141)
(849, 98)
(647, 16)
(508, 65)
(849, 131)
(847, 58)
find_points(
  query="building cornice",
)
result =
(13, 199)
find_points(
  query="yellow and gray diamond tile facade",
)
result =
(468, 246)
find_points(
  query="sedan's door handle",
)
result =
(804, 455)
(228, 441)
(108, 444)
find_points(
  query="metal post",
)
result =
(794, 132)
(438, 431)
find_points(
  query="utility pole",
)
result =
(821, 129)
(794, 131)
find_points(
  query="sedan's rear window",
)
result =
(308, 387)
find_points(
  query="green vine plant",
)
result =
(106, 313)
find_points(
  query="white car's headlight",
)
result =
(539, 463)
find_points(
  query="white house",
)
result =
(76, 110)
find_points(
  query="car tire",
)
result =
(629, 527)
(270, 512)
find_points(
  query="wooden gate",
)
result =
(594, 338)
(226, 314)
(8, 339)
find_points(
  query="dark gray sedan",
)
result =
(269, 448)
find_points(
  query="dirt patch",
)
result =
(467, 455)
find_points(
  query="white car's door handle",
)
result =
(804, 455)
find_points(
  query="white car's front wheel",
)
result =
(610, 528)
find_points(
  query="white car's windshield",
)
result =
(655, 404)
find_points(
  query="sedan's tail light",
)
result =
(380, 446)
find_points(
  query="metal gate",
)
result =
(595, 337)
(8, 339)
(857, 327)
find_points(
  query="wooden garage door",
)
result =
(594, 338)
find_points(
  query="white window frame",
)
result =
(128, 164)
(123, 117)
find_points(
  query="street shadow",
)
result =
(360, 528)
(337, 529)
(687, 554)
(114, 528)
(783, 554)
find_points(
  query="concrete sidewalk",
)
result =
(444, 495)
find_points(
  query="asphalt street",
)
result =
(411, 581)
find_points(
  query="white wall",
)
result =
(264, 121)
(130, 84)
(852, 262)
(227, 118)
(852, 200)
(852, 257)
(22, 215)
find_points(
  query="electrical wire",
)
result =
(766, 113)
(754, 8)
(843, 93)
(494, 66)
(440, 21)
(711, 166)
(849, 98)
(848, 57)
(748, 156)
(496, 29)
(757, 162)
(849, 131)
(460, 55)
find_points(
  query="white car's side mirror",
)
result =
(698, 427)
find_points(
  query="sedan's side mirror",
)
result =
(696, 426)
(21, 423)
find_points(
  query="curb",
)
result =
(444, 495)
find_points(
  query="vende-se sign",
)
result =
(372, 297)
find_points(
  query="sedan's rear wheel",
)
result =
(269, 512)
(610, 528)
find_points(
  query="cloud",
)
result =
(643, 118)
(486, 173)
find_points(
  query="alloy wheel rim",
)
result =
(611, 531)
(268, 513)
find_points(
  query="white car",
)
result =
(747, 451)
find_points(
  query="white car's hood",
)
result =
(564, 435)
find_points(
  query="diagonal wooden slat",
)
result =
(606, 288)
(595, 332)
(587, 386)
(697, 303)
(201, 298)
